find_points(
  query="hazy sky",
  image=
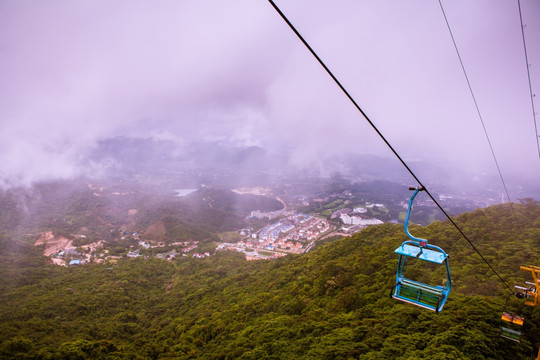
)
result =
(76, 72)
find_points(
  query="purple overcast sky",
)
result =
(75, 72)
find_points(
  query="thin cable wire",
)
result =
(384, 139)
(529, 77)
(478, 112)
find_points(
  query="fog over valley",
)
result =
(197, 79)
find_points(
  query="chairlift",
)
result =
(511, 324)
(510, 327)
(432, 297)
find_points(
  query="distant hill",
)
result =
(98, 210)
(201, 214)
(332, 303)
(230, 201)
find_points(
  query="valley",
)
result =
(83, 222)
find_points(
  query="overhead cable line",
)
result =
(478, 112)
(338, 83)
(527, 65)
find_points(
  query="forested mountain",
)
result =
(332, 303)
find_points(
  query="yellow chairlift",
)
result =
(511, 327)
(530, 292)
(511, 324)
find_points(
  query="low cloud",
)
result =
(77, 73)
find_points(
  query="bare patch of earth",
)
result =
(53, 244)
(58, 261)
(156, 231)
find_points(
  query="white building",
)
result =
(366, 222)
(357, 220)
(351, 220)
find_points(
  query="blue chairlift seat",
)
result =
(432, 297)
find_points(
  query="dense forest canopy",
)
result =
(331, 303)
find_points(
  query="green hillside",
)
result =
(332, 303)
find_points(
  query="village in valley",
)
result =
(285, 231)
(295, 232)
(62, 251)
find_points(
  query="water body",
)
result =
(184, 192)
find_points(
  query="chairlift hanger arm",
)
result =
(422, 242)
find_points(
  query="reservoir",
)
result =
(184, 192)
